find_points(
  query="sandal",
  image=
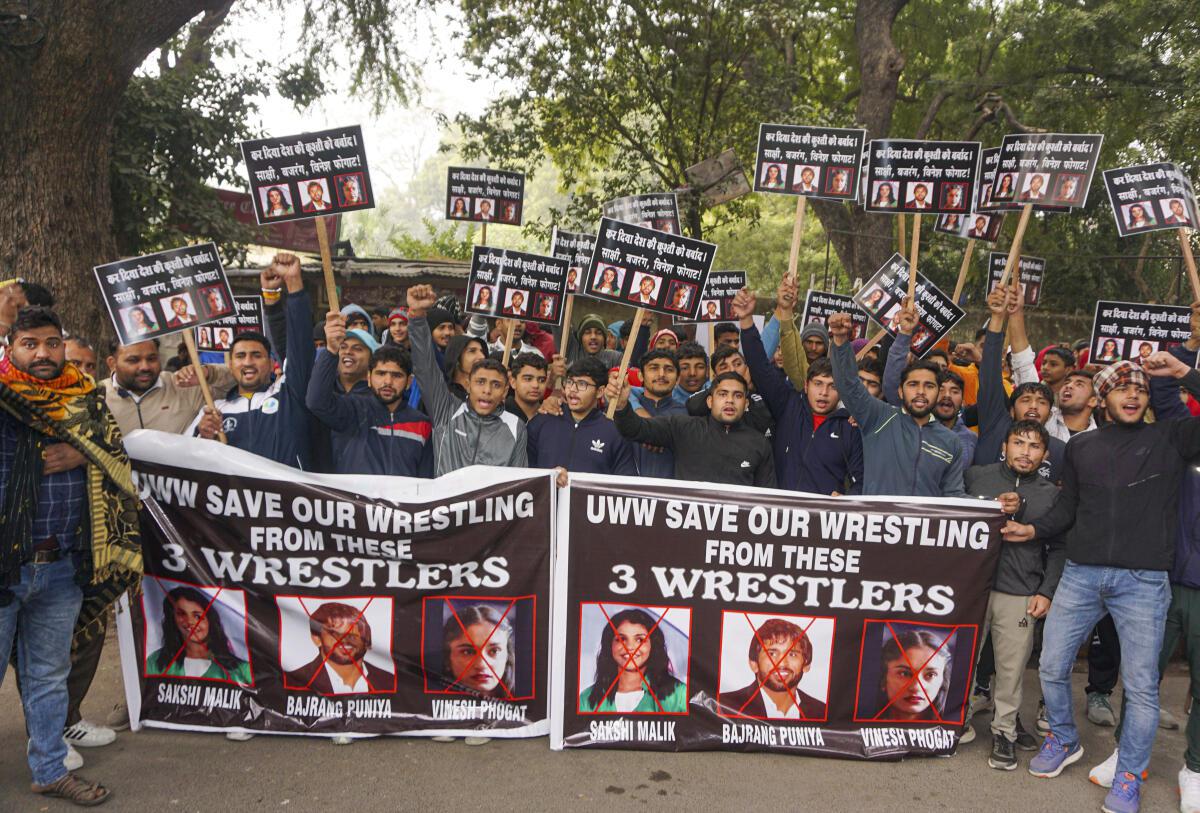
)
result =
(76, 790)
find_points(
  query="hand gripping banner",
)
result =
(692, 617)
(286, 602)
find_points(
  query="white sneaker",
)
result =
(443, 738)
(477, 740)
(1103, 773)
(74, 760)
(88, 735)
(239, 736)
(342, 739)
(1189, 791)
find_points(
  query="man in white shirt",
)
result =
(781, 654)
(342, 636)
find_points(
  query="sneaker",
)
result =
(1189, 791)
(342, 739)
(967, 735)
(981, 701)
(442, 738)
(118, 718)
(1125, 795)
(1003, 757)
(88, 735)
(1099, 710)
(1025, 740)
(1167, 720)
(239, 736)
(1054, 757)
(1103, 773)
(477, 740)
(1043, 724)
(74, 760)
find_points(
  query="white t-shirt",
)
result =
(195, 667)
(628, 701)
(341, 687)
(773, 712)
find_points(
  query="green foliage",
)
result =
(439, 243)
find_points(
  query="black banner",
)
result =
(1048, 170)
(698, 618)
(516, 285)
(937, 314)
(659, 211)
(1149, 197)
(923, 177)
(1032, 274)
(820, 305)
(576, 248)
(308, 175)
(717, 298)
(219, 335)
(1130, 331)
(276, 602)
(647, 268)
(165, 292)
(484, 195)
(817, 162)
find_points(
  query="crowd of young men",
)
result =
(1103, 503)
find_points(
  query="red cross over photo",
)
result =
(914, 672)
(336, 646)
(775, 667)
(480, 646)
(633, 659)
(195, 631)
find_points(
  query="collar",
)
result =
(137, 399)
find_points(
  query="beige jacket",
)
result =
(165, 407)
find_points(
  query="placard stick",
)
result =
(797, 231)
(1014, 251)
(327, 264)
(712, 337)
(902, 246)
(633, 332)
(876, 339)
(962, 269)
(566, 326)
(189, 341)
(483, 237)
(1185, 245)
(508, 340)
(912, 257)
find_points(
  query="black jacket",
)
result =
(705, 449)
(1119, 503)
(1020, 571)
(748, 702)
(313, 677)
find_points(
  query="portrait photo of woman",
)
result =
(1139, 216)
(914, 675)
(479, 652)
(484, 300)
(633, 669)
(277, 202)
(608, 280)
(1109, 350)
(885, 195)
(194, 640)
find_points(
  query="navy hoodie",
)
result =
(820, 461)
(1164, 398)
(592, 446)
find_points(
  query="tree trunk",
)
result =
(56, 137)
(864, 241)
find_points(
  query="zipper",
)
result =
(917, 457)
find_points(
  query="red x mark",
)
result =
(351, 628)
(191, 630)
(480, 649)
(630, 658)
(916, 673)
(774, 670)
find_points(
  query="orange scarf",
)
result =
(52, 396)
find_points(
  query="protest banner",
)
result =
(1047, 171)
(717, 297)
(658, 211)
(516, 286)
(820, 305)
(757, 620)
(576, 248)
(331, 604)
(1149, 197)
(485, 196)
(1031, 275)
(973, 226)
(1130, 331)
(248, 318)
(881, 298)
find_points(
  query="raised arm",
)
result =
(655, 431)
(769, 380)
(298, 310)
(436, 395)
(795, 360)
(868, 410)
(897, 360)
(992, 404)
(1185, 432)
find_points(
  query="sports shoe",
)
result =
(239, 736)
(1167, 720)
(1103, 773)
(1125, 795)
(967, 735)
(1043, 724)
(1003, 757)
(1189, 791)
(477, 740)
(981, 701)
(88, 735)
(1054, 757)
(342, 739)
(1025, 740)
(1099, 710)
(74, 760)
(443, 738)
(118, 718)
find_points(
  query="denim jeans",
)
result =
(42, 617)
(1138, 602)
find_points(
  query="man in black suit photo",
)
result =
(342, 636)
(781, 654)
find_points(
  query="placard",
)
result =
(1129, 331)
(921, 177)
(485, 195)
(716, 300)
(308, 175)
(1032, 274)
(659, 211)
(1149, 197)
(760, 620)
(973, 226)
(648, 268)
(820, 305)
(516, 285)
(817, 162)
(881, 298)
(1047, 170)
(163, 293)
(218, 336)
(576, 248)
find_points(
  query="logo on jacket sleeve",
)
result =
(597, 446)
(745, 464)
(270, 406)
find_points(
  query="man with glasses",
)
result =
(580, 438)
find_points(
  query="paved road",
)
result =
(157, 770)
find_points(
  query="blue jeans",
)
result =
(1138, 602)
(42, 617)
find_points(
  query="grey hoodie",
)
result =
(461, 436)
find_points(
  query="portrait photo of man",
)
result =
(979, 228)
(1175, 213)
(224, 338)
(1034, 190)
(645, 288)
(314, 196)
(516, 302)
(807, 180)
(918, 197)
(178, 309)
(485, 209)
(775, 667)
(710, 310)
(334, 647)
